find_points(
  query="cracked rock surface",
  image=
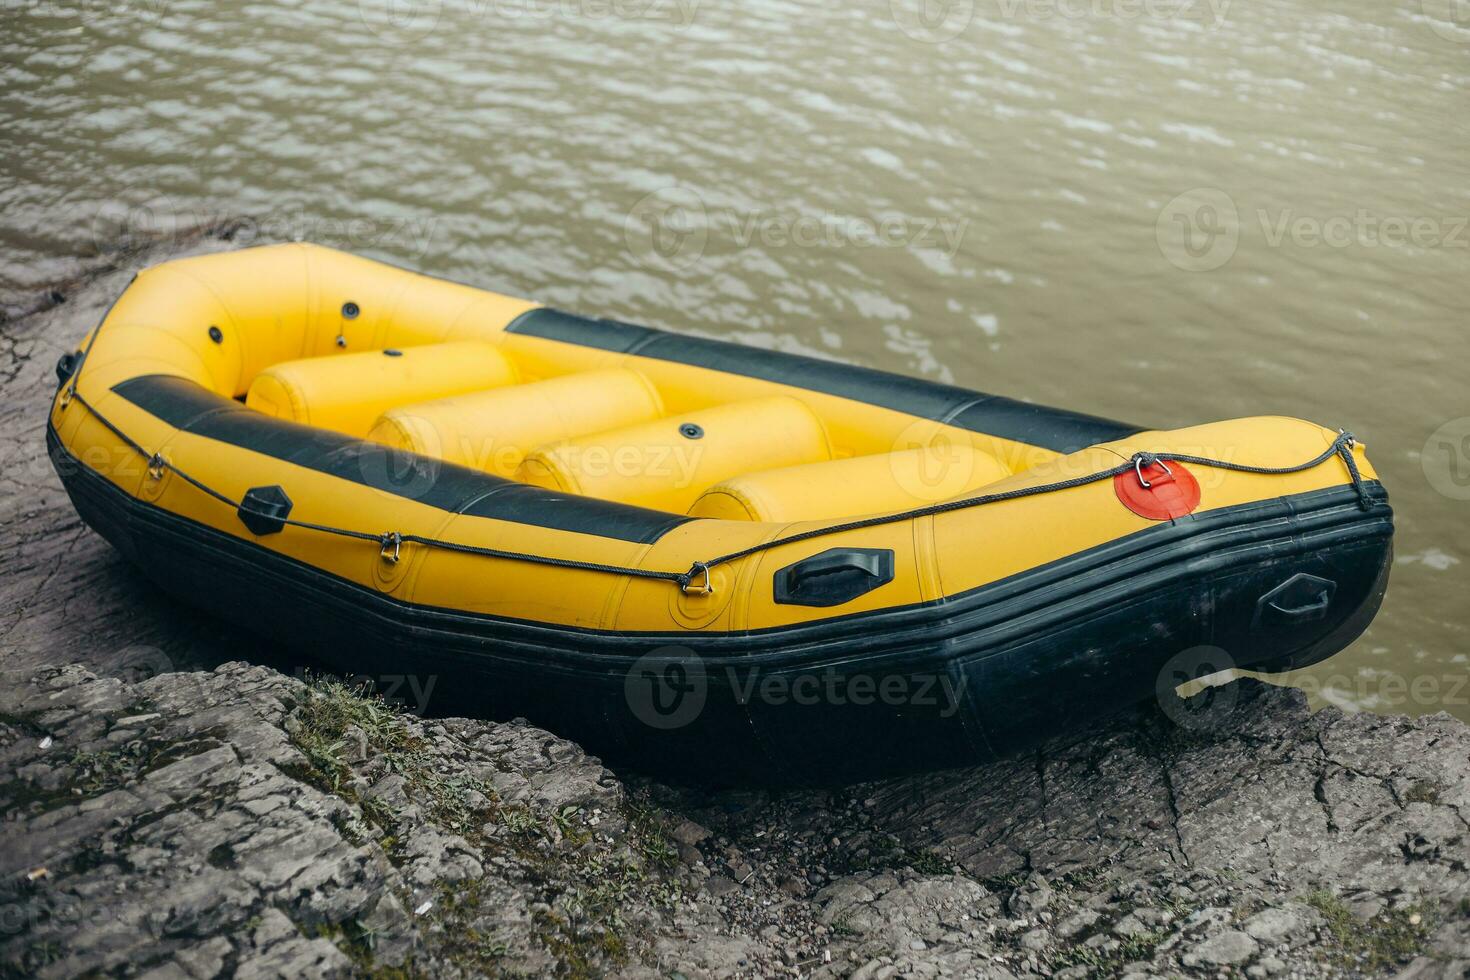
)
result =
(174, 803)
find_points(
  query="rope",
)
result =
(1341, 446)
(390, 543)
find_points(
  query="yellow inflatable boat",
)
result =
(694, 556)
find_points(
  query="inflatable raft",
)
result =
(693, 556)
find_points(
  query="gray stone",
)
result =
(1036, 940)
(688, 832)
(719, 885)
(1077, 923)
(1130, 925)
(1227, 948)
(1279, 925)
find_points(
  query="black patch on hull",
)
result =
(191, 408)
(1034, 425)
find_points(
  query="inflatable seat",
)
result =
(494, 430)
(668, 463)
(878, 484)
(347, 392)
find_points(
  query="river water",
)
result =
(1165, 211)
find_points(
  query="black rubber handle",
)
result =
(833, 577)
(1310, 609)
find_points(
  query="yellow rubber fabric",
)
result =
(654, 465)
(347, 393)
(494, 430)
(881, 483)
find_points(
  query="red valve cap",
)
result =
(1173, 491)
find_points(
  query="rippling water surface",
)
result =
(1167, 211)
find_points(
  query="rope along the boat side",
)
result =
(390, 542)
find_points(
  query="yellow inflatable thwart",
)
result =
(654, 542)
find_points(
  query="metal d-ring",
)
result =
(1138, 468)
(709, 585)
(392, 550)
(156, 466)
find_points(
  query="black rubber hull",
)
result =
(1274, 585)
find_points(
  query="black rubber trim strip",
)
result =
(996, 415)
(189, 407)
(1031, 603)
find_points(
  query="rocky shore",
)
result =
(177, 801)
